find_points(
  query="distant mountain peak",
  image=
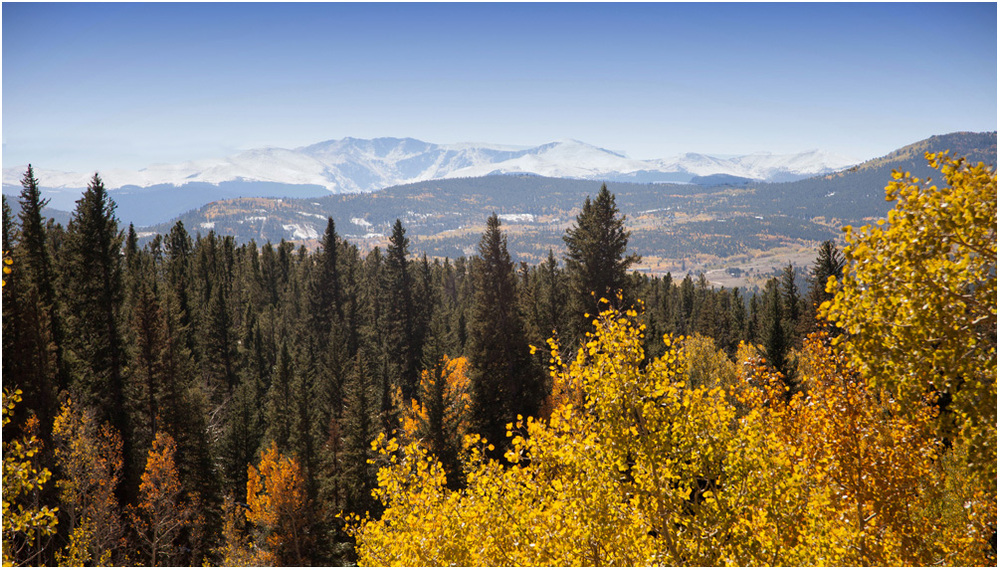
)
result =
(362, 165)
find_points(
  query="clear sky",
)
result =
(98, 86)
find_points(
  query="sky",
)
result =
(120, 85)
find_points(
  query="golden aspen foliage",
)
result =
(706, 365)
(626, 479)
(918, 295)
(278, 506)
(25, 523)
(162, 514)
(90, 459)
(839, 475)
(648, 470)
(7, 262)
(918, 304)
(237, 549)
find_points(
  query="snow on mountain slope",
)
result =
(363, 165)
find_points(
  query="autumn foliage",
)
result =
(277, 506)
(884, 455)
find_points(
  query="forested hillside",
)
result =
(205, 399)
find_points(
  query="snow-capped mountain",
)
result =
(364, 165)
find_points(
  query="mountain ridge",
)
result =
(352, 165)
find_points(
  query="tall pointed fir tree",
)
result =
(774, 333)
(41, 371)
(796, 317)
(596, 260)
(38, 266)
(403, 343)
(504, 380)
(94, 295)
(328, 342)
(829, 263)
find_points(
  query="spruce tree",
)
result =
(797, 319)
(39, 271)
(504, 381)
(829, 263)
(596, 260)
(401, 318)
(359, 427)
(35, 362)
(94, 295)
(324, 288)
(774, 332)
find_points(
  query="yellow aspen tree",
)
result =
(629, 477)
(918, 303)
(90, 458)
(237, 549)
(25, 523)
(162, 514)
(839, 475)
(278, 506)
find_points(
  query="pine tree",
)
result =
(94, 299)
(797, 320)
(738, 320)
(504, 380)
(324, 288)
(11, 308)
(774, 332)
(178, 247)
(36, 265)
(359, 430)
(401, 323)
(596, 262)
(553, 298)
(280, 404)
(829, 263)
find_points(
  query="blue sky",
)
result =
(98, 86)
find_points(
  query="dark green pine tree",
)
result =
(327, 354)
(178, 272)
(324, 288)
(94, 296)
(553, 298)
(401, 319)
(596, 260)
(504, 380)
(829, 263)
(15, 345)
(280, 414)
(218, 346)
(774, 333)
(796, 317)
(244, 426)
(753, 330)
(358, 428)
(147, 330)
(687, 297)
(43, 370)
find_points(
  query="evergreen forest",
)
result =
(195, 400)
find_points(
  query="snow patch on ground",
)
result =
(361, 222)
(301, 231)
(207, 225)
(517, 217)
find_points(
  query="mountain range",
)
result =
(364, 165)
(671, 224)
